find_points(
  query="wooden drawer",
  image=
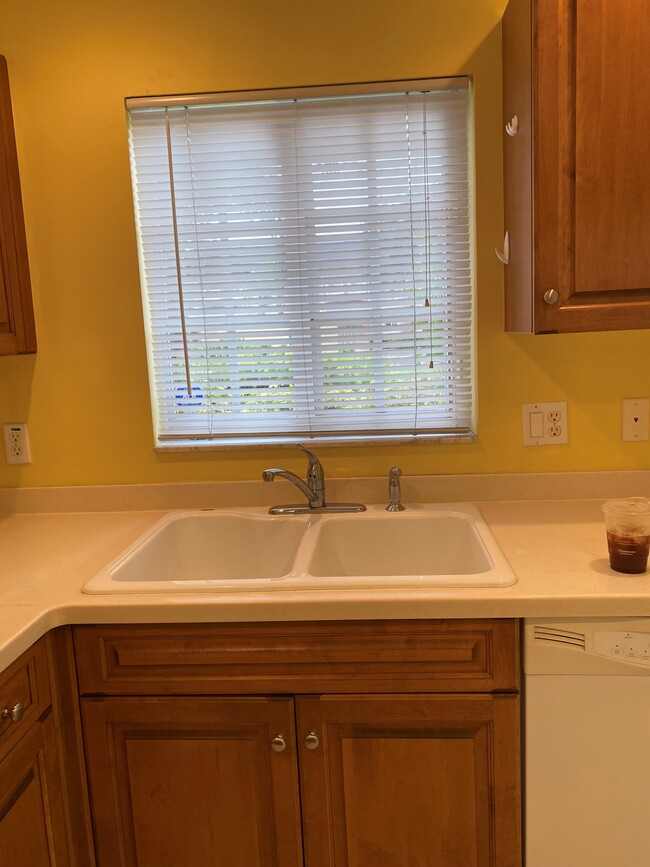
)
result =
(345, 657)
(26, 682)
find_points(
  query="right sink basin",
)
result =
(434, 546)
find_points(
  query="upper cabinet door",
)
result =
(577, 171)
(17, 334)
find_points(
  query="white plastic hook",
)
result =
(512, 127)
(505, 255)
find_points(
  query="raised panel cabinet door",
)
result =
(32, 823)
(612, 119)
(593, 113)
(410, 781)
(17, 333)
(576, 75)
(193, 781)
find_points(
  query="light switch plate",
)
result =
(545, 424)
(635, 415)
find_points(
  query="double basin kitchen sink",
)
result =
(244, 550)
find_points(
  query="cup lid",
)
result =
(628, 506)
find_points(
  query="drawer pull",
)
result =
(278, 744)
(16, 712)
(311, 741)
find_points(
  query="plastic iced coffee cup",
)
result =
(627, 522)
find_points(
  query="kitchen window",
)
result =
(306, 263)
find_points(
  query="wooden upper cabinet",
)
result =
(577, 171)
(17, 333)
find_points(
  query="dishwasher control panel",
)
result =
(632, 647)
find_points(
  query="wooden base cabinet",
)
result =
(43, 813)
(32, 822)
(344, 773)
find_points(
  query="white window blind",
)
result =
(306, 263)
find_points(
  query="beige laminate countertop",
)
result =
(556, 548)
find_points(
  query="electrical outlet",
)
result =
(634, 419)
(16, 443)
(545, 424)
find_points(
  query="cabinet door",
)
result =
(192, 781)
(32, 824)
(576, 75)
(410, 781)
(612, 119)
(17, 334)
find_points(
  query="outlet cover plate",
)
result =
(16, 443)
(545, 424)
(635, 416)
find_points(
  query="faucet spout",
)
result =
(270, 474)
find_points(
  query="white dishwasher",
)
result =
(587, 742)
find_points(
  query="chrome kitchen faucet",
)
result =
(313, 489)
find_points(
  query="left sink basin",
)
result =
(204, 550)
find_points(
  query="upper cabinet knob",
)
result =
(504, 256)
(551, 296)
(512, 127)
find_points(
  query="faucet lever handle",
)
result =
(315, 475)
(315, 467)
(311, 457)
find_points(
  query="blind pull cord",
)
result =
(427, 224)
(179, 276)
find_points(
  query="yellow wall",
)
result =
(85, 394)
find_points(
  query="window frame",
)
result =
(179, 442)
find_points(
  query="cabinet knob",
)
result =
(311, 741)
(504, 256)
(15, 713)
(551, 296)
(512, 127)
(278, 744)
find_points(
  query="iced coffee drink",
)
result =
(628, 534)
